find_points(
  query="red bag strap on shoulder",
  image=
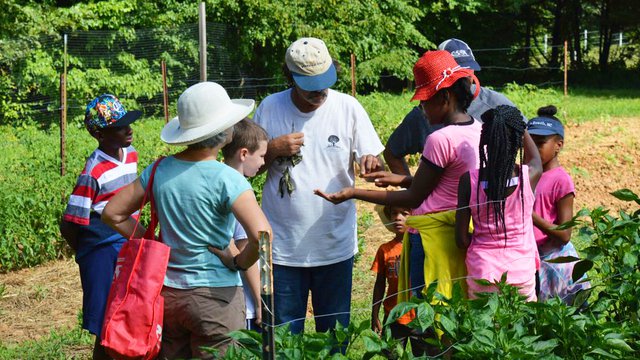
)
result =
(151, 229)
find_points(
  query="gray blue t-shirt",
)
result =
(193, 201)
(409, 137)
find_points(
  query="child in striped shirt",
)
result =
(107, 170)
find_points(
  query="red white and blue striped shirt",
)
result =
(102, 178)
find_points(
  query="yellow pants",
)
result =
(443, 260)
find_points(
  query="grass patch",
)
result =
(75, 343)
(580, 105)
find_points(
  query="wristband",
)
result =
(236, 266)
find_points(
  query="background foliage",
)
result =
(35, 195)
(119, 44)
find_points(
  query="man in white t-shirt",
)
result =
(316, 135)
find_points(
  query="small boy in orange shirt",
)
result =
(387, 265)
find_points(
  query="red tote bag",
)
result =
(132, 327)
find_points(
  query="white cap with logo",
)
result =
(310, 64)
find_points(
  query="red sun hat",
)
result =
(437, 70)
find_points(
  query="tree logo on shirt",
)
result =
(333, 139)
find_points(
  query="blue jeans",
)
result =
(96, 274)
(330, 287)
(416, 265)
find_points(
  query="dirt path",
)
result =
(602, 156)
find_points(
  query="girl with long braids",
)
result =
(444, 91)
(499, 198)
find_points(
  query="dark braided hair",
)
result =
(548, 111)
(500, 142)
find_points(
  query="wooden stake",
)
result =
(353, 75)
(266, 295)
(63, 109)
(566, 58)
(63, 121)
(165, 92)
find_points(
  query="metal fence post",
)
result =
(202, 31)
(620, 39)
(586, 36)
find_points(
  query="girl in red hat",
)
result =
(444, 91)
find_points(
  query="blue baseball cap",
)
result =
(310, 64)
(461, 52)
(545, 126)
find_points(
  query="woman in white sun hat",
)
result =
(197, 198)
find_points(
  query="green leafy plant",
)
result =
(502, 325)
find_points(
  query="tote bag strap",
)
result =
(151, 230)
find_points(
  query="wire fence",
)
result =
(127, 63)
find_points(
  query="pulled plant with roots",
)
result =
(286, 185)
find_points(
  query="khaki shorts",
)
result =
(199, 317)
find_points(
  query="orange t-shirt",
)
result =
(387, 262)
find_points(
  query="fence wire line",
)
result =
(522, 69)
(390, 295)
(358, 310)
(150, 43)
(592, 286)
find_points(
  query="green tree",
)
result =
(381, 34)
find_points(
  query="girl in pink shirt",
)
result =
(553, 206)
(499, 198)
(444, 90)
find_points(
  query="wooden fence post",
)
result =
(266, 295)
(353, 75)
(566, 58)
(165, 92)
(63, 121)
(63, 109)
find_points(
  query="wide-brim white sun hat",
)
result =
(204, 110)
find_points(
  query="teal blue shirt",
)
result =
(193, 201)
